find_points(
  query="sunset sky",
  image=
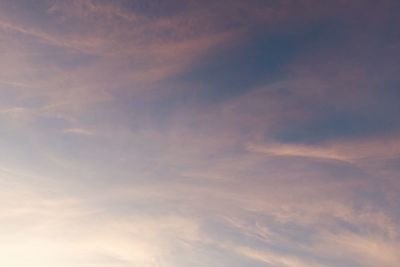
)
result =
(199, 133)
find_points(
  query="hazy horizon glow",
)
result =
(199, 133)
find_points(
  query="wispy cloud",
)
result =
(79, 131)
(199, 133)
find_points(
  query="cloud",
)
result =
(349, 151)
(198, 134)
(80, 45)
(79, 131)
(297, 150)
(366, 250)
(37, 220)
(274, 259)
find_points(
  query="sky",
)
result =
(175, 133)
